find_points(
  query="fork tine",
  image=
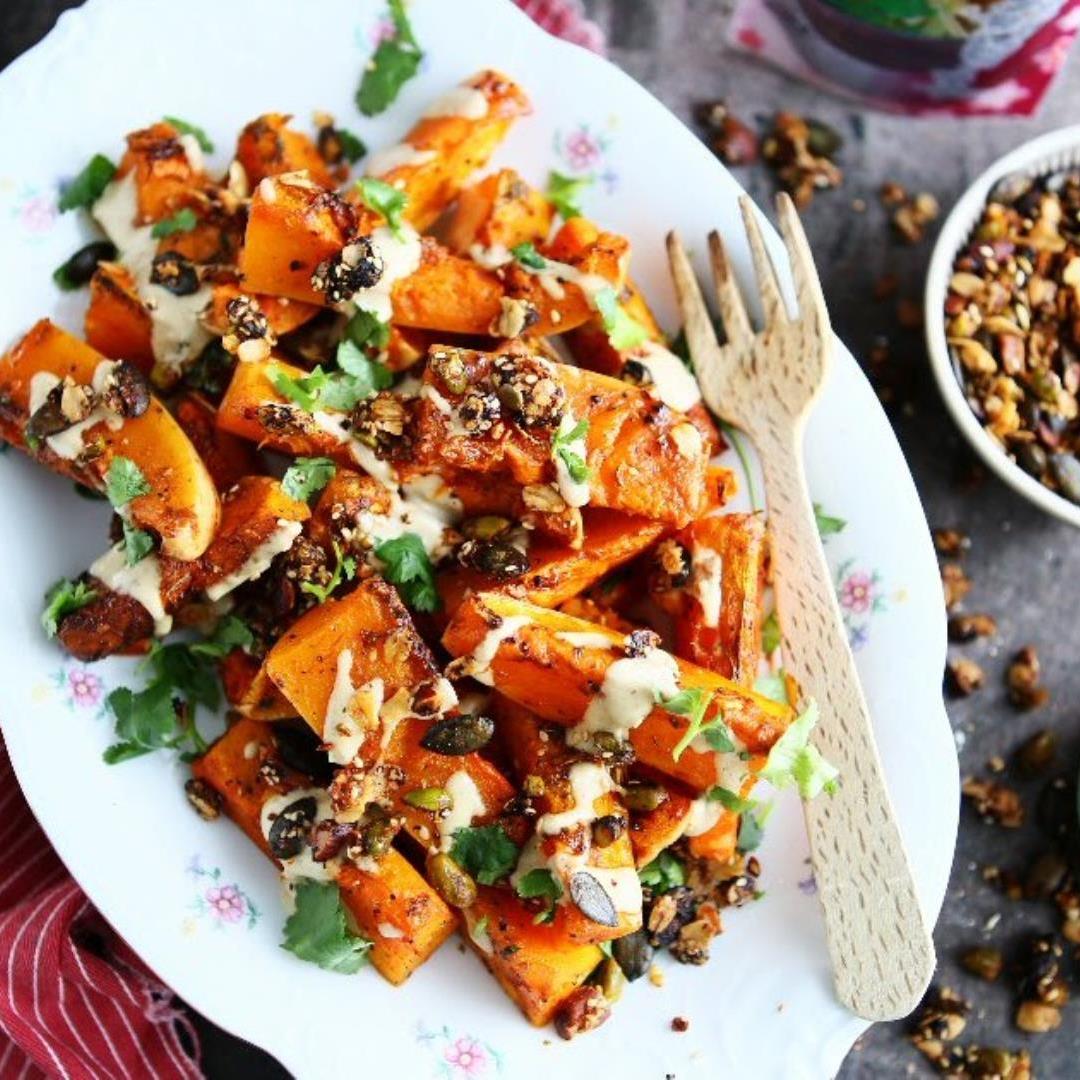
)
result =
(732, 309)
(807, 283)
(700, 335)
(772, 302)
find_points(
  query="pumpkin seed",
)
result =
(290, 828)
(49, 418)
(376, 835)
(633, 954)
(610, 979)
(496, 558)
(79, 269)
(457, 735)
(429, 798)
(643, 797)
(1066, 471)
(607, 829)
(451, 882)
(591, 899)
(1032, 459)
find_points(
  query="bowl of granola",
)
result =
(1003, 319)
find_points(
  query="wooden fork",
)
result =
(765, 383)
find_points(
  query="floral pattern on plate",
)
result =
(584, 151)
(80, 688)
(33, 210)
(459, 1057)
(223, 903)
(861, 598)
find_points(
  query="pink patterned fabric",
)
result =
(1004, 70)
(75, 1001)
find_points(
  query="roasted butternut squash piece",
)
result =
(555, 676)
(227, 458)
(499, 212)
(293, 225)
(258, 519)
(283, 315)
(456, 136)
(719, 626)
(181, 506)
(166, 176)
(653, 831)
(566, 851)
(257, 696)
(534, 964)
(117, 322)
(268, 147)
(557, 572)
(642, 457)
(401, 914)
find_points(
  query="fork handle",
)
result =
(879, 941)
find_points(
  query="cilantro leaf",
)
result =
(138, 543)
(321, 389)
(826, 525)
(693, 704)
(564, 191)
(540, 882)
(182, 221)
(770, 633)
(368, 376)
(485, 852)
(352, 146)
(307, 476)
(366, 329)
(395, 62)
(562, 446)
(124, 481)
(795, 760)
(62, 599)
(344, 570)
(730, 800)
(86, 188)
(231, 633)
(663, 874)
(406, 564)
(384, 199)
(191, 129)
(752, 827)
(527, 255)
(623, 332)
(317, 932)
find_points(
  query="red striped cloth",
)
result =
(75, 1001)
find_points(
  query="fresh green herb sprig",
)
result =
(395, 61)
(793, 759)
(693, 704)
(62, 599)
(485, 852)
(541, 884)
(344, 570)
(384, 199)
(86, 188)
(307, 476)
(317, 930)
(528, 256)
(191, 129)
(181, 222)
(125, 481)
(563, 193)
(826, 525)
(623, 332)
(407, 565)
(562, 447)
(663, 874)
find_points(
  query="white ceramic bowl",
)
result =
(1055, 150)
(197, 901)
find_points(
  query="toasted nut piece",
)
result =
(983, 961)
(994, 801)
(965, 676)
(1037, 1018)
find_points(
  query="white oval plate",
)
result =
(197, 901)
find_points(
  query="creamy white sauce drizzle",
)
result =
(400, 258)
(398, 156)
(464, 101)
(574, 492)
(302, 865)
(142, 582)
(177, 333)
(627, 695)
(588, 782)
(706, 583)
(258, 562)
(482, 656)
(672, 382)
(554, 274)
(350, 712)
(457, 428)
(704, 814)
(389, 931)
(490, 258)
(466, 805)
(68, 444)
(587, 639)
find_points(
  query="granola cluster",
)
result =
(1012, 318)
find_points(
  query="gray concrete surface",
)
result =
(1025, 566)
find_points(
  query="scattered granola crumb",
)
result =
(995, 802)
(800, 152)
(1022, 679)
(965, 677)
(680, 1024)
(1036, 1018)
(951, 542)
(729, 138)
(964, 628)
(955, 583)
(656, 975)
